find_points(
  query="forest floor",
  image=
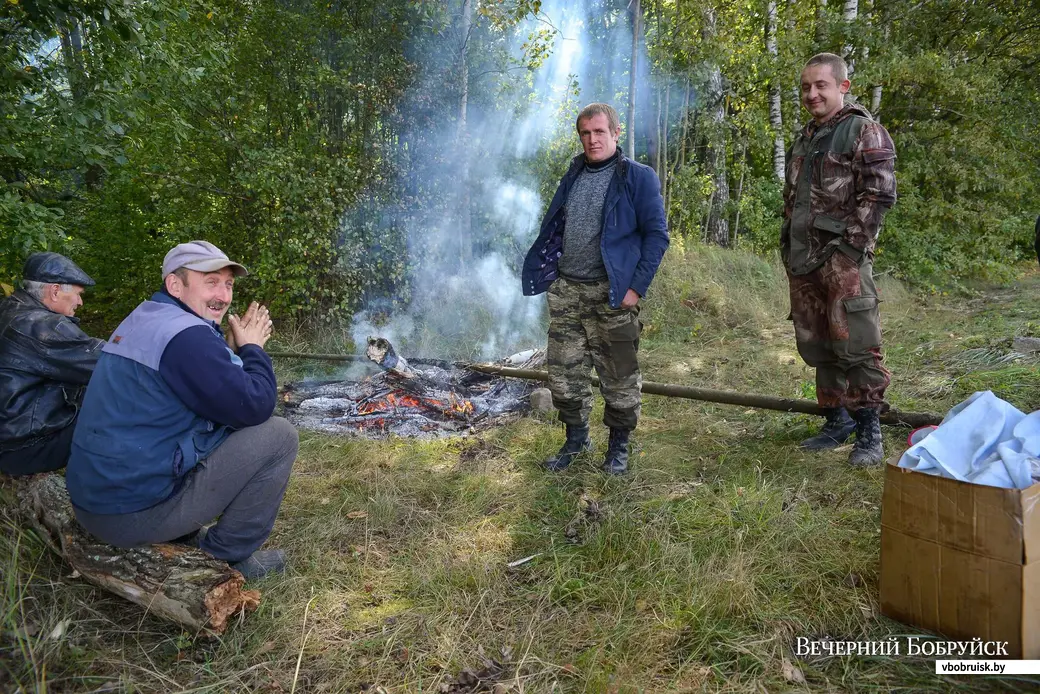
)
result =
(696, 572)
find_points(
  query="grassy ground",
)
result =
(695, 573)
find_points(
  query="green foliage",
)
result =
(307, 137)
(958, 95)
(62, 125)
(761, 210)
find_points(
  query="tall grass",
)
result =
(695, 573)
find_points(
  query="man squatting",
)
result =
(599, 246)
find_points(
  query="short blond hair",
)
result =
(613, 119)
(839, 68)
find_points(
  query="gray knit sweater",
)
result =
(582, 259)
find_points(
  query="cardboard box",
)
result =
(962, 559)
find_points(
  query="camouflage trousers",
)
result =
(837, 327)
(585, 332)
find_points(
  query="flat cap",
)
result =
(201, 256)
(54, 268)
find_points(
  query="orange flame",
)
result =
(397, 400)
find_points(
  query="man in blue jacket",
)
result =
(176, 426)
(599, 247)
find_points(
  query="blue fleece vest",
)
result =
(135, 440)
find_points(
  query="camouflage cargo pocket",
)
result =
(864, 323)
(623, 331)
(830, 225)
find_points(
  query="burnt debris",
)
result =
(422, 399)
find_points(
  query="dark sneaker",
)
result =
(261, 563)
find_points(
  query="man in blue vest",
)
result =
(176, 426)
(599, 247)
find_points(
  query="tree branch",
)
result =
(189, 184)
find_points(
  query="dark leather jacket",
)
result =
(45, 363)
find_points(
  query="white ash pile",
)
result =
(413, 398)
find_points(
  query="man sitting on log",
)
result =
(176, 427)
(45, 363)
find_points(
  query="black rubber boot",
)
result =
(616, 462)
(868, 449)
(577, 442)
(837, 430)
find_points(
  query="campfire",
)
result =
(421, 398)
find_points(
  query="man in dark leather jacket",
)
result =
(45, 364)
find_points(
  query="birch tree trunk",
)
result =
(875, 92)
(848, 15)
(820, 35)
(776, 114)
(464, 236)
(655, 153)
(685, 125)
(664, 144)
(717, 231)
(740, 187)
(796, 93)
(637, 28)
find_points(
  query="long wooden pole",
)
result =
(724, 397)
(321, 357)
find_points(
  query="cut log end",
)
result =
(177, 583)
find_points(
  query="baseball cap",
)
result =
(202, 256)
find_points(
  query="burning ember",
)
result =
(417, 399)
(399, 402)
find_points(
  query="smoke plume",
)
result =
(481, 191)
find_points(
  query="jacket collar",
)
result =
(811, 128)
(20, 296)
(578, 163)
(164, 297)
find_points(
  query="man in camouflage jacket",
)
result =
(840, 181)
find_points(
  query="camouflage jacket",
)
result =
(840, 181)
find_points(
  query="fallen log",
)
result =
(174, 582)
(725, 397)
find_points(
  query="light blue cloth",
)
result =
(983, 440)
